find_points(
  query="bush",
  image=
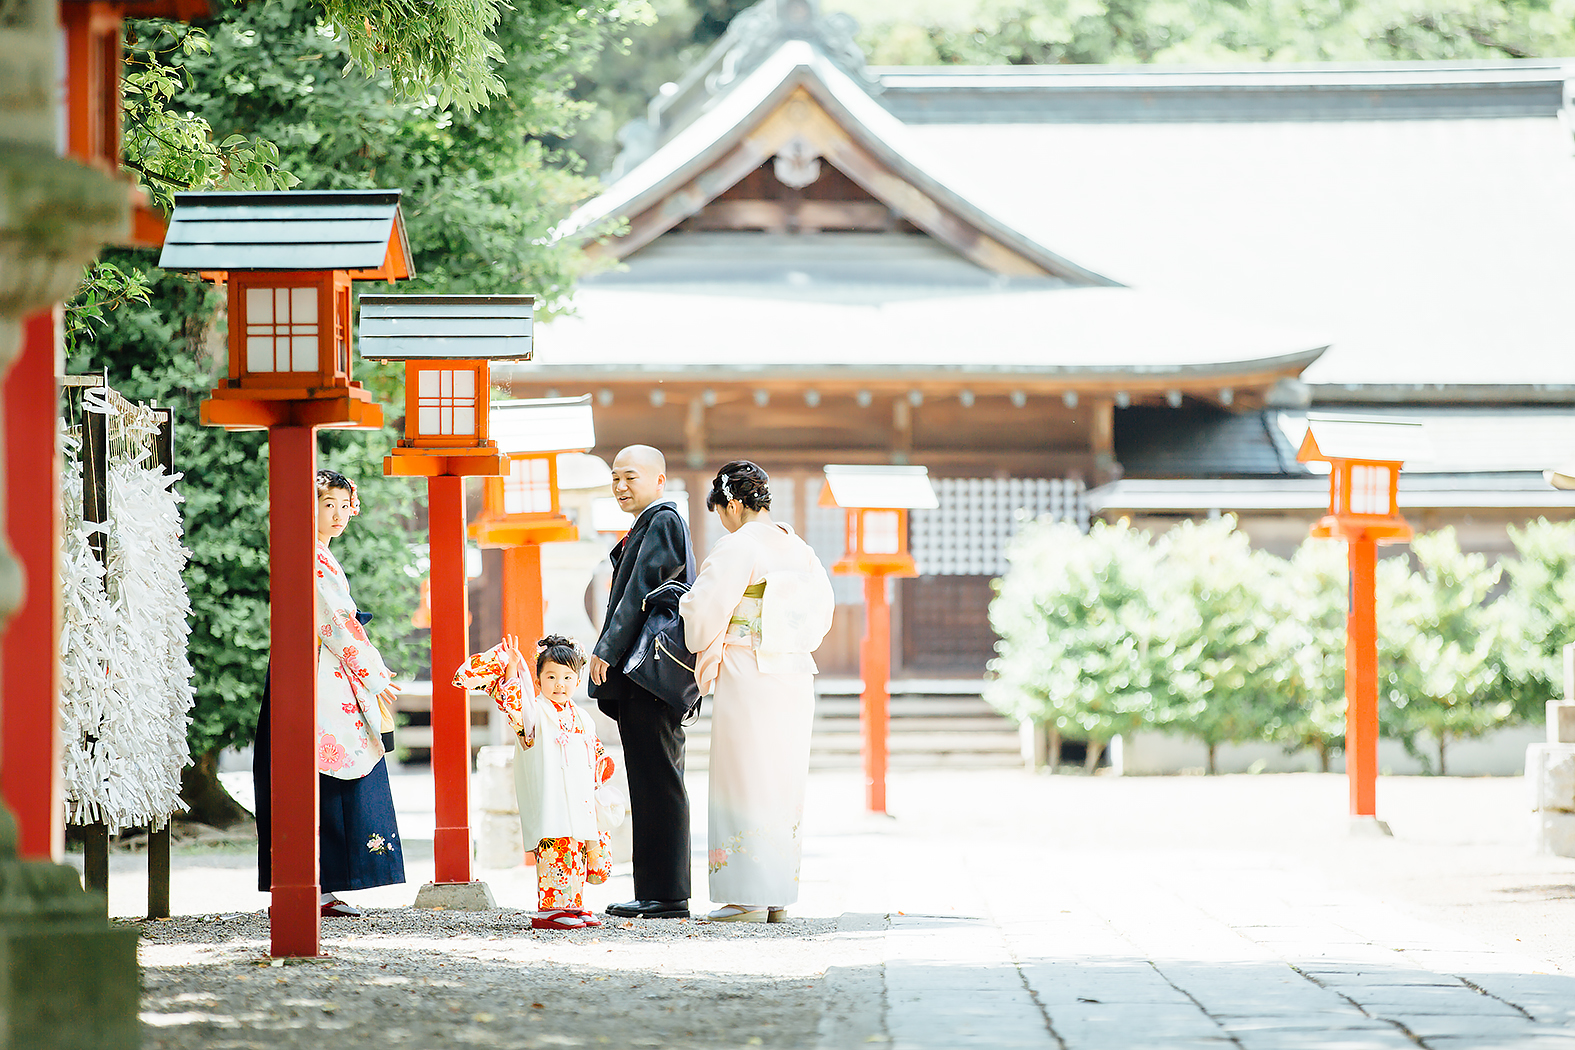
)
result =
(1081, 640)
(1197, 633)
(1217, 606)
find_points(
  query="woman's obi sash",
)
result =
(777, 617)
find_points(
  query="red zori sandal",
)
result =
(563, 919)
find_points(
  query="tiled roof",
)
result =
(406, 327)
(1427, 251)
(295, 230)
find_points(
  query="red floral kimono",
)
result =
(564, 863)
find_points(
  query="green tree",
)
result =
(659, 44)
(483, 190)
(1047, 32)
(1215, 601)
(260, 102)
(1440, 665)
(1083, 649)
(1307, 709)
(1537, 613)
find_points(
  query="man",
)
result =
(656, 550)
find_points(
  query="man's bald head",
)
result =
(639, 476)
(645, 456)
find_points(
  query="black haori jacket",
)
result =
(657, 549)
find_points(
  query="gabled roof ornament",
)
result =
(759, 30)
(751, 38)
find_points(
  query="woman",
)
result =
(358, 838)
(760, 606)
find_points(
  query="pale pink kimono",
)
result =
(756, 655)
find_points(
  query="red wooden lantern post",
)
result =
(520, 510)
(90, 45)
(1364, 458)
(447, 343)
(877, 500)
(287, 260)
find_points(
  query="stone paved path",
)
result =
(1000, 910)
(1134, 939)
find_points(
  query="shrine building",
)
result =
(1076, 291)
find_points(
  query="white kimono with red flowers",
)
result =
(350, 674)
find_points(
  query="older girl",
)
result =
(359, 843)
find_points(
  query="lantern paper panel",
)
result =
(882, 532)
(1370, 489)
(446, 402)
(528, 487)
(282, 332)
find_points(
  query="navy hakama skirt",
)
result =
(358, 836)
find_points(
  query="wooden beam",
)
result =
(801, 216)
(684, 202)
(1102, 439)
(902, 431)
(694, 433)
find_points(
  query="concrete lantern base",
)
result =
(1370, 828)
(68, 979)
(456, 896)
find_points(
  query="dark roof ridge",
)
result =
(1453, 394)
(1198, 94)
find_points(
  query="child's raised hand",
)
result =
(511, 650)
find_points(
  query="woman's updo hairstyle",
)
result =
(743, 481)
(328, 480)
(555, 648)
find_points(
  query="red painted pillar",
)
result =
(523, 612)
(30, 687)
(292, 560)
(874, 713)
(1361, 680)
(450, 708)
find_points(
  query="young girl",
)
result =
(557, 769)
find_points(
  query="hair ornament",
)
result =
(726, 495)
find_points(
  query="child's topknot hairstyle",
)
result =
(559, 650)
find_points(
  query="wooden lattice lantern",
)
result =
(877, 499)
(286, 261)
(522, 507)
(448, 343)
(1364, 457)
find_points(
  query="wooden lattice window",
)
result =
(446, 402)
(281, 329)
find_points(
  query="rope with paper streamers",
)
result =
(126, 684)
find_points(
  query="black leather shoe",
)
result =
(650, 910)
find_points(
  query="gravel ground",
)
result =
(433, 979)
(438, 979)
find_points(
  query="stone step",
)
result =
(934, 740)
(960, 725)
(920, 760)
(903, 706)
(934, 723)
